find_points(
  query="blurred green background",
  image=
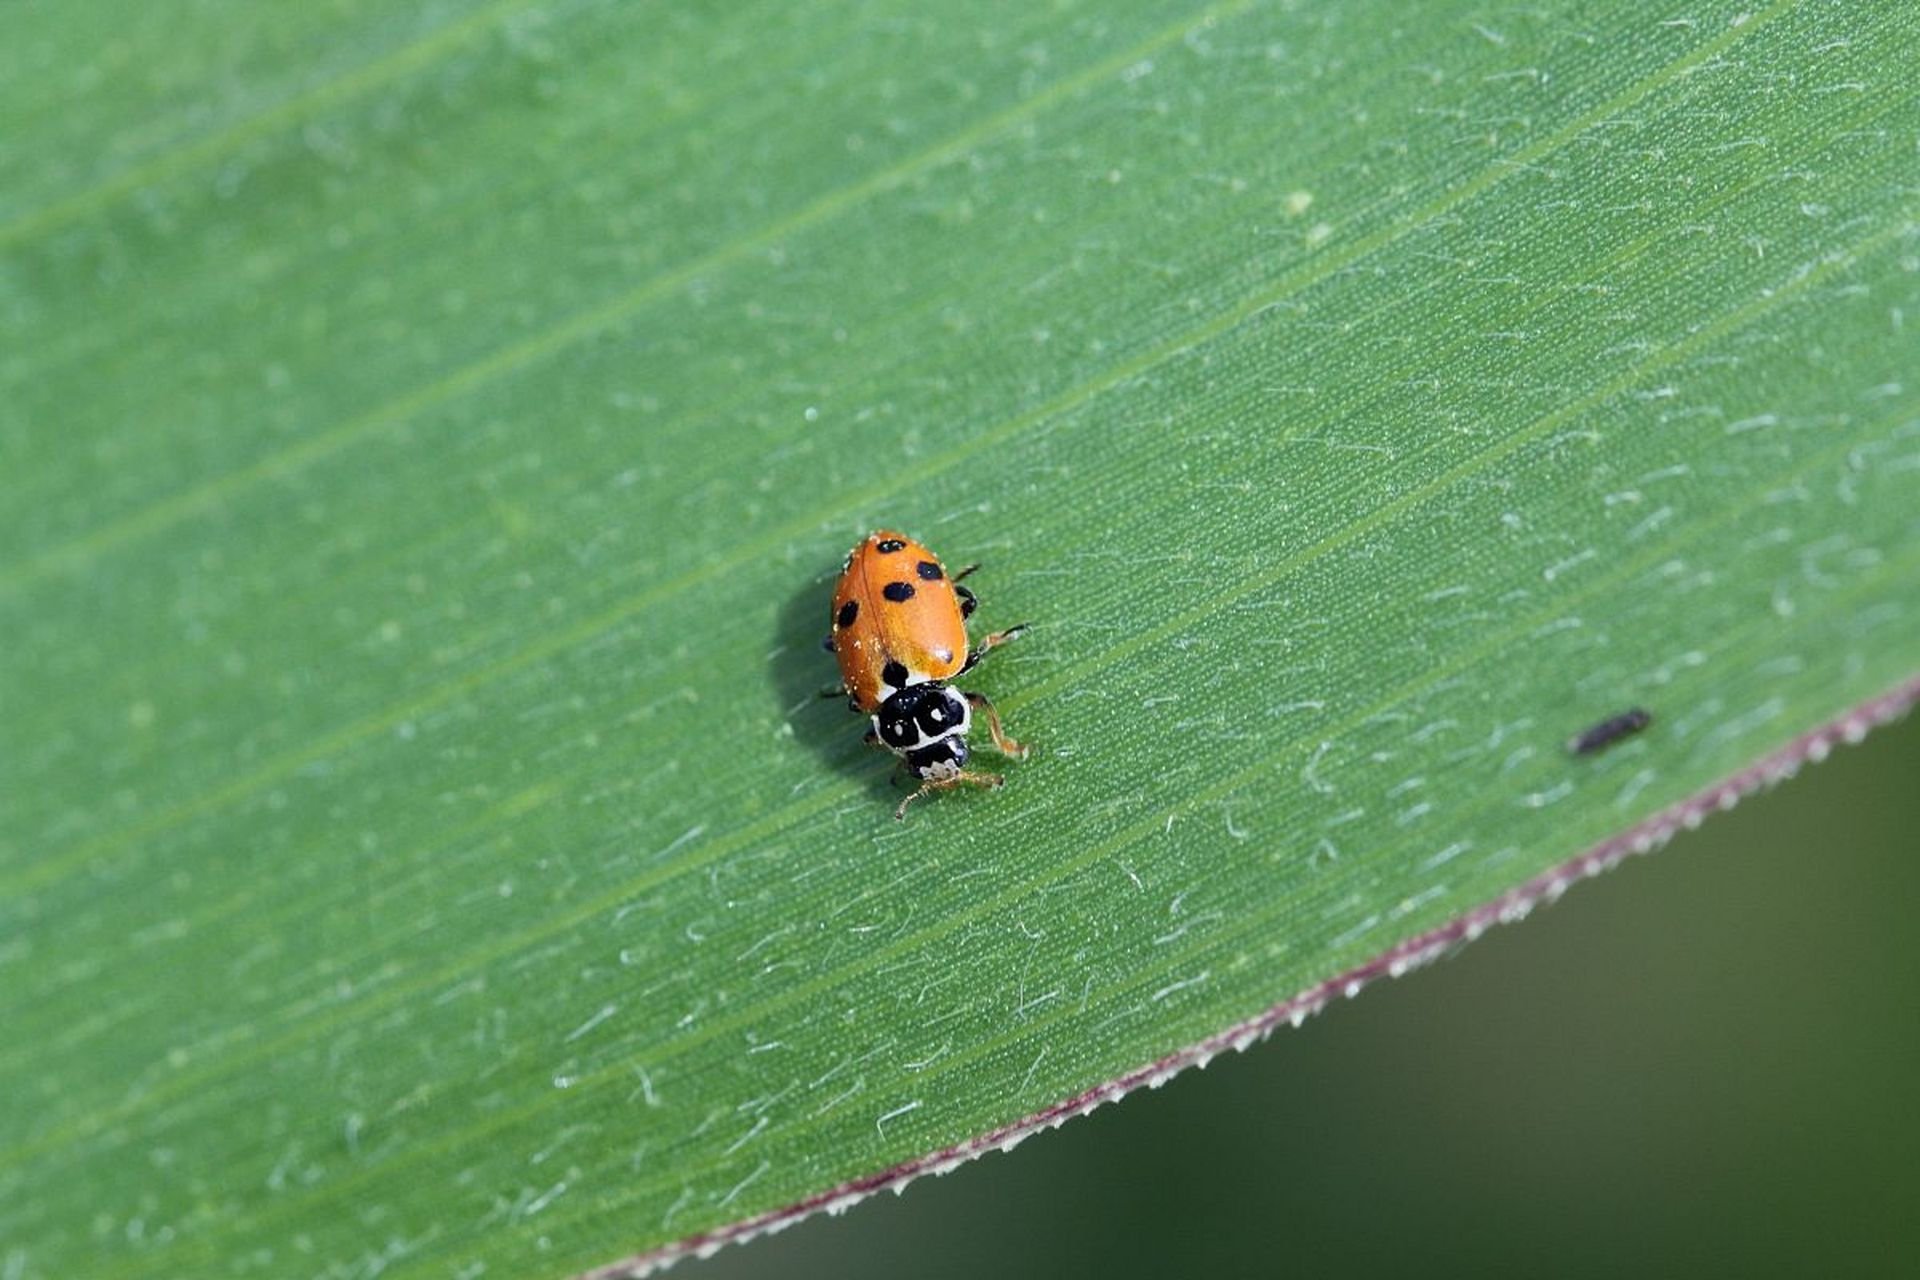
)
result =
(1701, 1063)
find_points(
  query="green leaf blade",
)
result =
(422, 841)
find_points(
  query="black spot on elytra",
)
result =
(894, 674)
(887, 546)
(928, 571)
(898, 592)
(848, 612)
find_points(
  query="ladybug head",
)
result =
(939, 761)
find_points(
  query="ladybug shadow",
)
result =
(801, 670)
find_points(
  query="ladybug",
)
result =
(900, 634)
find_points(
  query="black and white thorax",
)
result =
(927, 725)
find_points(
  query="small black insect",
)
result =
(1609, 731)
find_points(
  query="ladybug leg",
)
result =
(1001, 637)
(969, 777)
(1001, 742)
(968, 602)
(963, 573)
(985, 646)
(840, 691)
(826, 642)
(900, 814)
